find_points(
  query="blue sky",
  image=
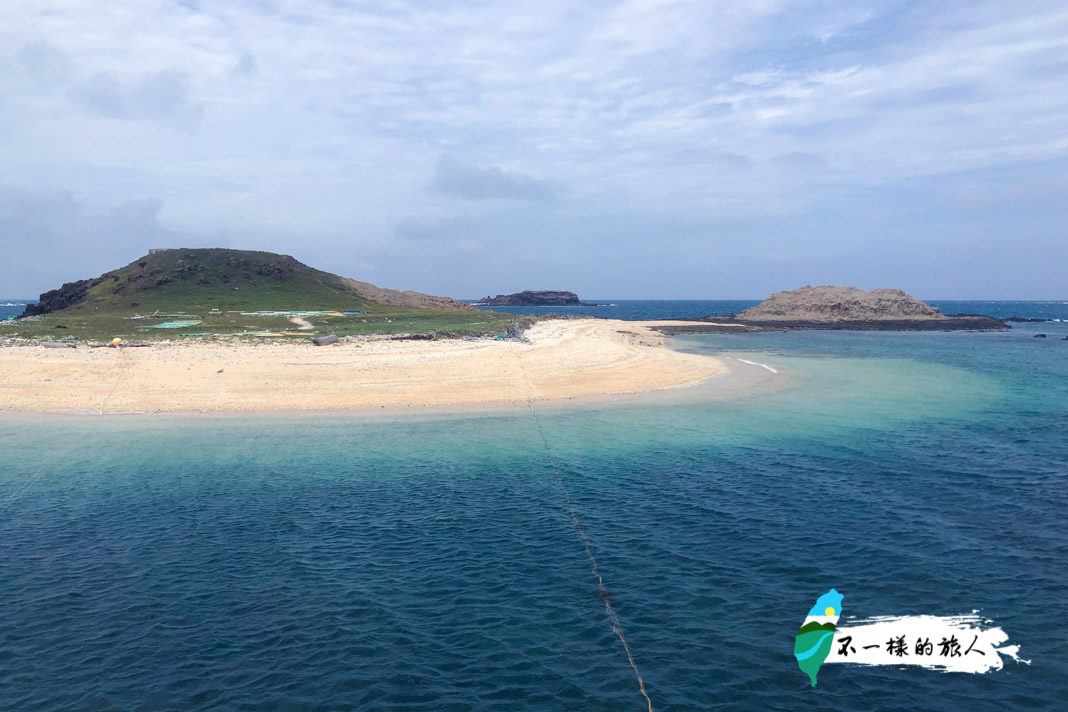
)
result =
(637, 149)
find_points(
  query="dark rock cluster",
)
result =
(68, 295)
(538, 298)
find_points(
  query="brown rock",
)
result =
(396, 297)
(833, 304)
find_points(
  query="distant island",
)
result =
(537, 298)
(195, 330)
(836, 304)
(842, 308)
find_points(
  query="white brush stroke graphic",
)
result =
(956, 643)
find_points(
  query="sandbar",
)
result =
(560, 359)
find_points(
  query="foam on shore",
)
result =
(762, 365)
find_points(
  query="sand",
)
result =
(565, 359)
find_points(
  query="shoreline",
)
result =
(565, 362)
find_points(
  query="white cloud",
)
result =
(313, 121)
(453, 177)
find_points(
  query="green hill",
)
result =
(194, 280)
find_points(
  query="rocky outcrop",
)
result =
(396, 297)
(837, 304)
(840, 308)
(70, 294)
(540, 298)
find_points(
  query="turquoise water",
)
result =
(431, 562)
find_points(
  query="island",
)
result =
(536, 298)
(233, 331)
(840, 308)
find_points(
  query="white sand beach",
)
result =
(563, 359)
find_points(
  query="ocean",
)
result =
(12, 308)
(637, 310)
(439, 561)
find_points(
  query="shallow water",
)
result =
(431, 562)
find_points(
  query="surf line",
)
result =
(613, 617)
(754, 363)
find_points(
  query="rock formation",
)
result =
(542, 298)
(833, 304)
(396, 297)
(838, 308)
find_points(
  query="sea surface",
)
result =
(633, 309)
(12, 307)
(440, 562)
(637, 310)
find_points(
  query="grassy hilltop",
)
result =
(196, 281)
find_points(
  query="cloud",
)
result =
(53, 237)
(773, 126)
(419, 228)
(246, 65)
(103, 94)
(43, 60)
(451, 177)
(162, 95)
(801, 160)
(713, 158)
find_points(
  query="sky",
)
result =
(657, 149)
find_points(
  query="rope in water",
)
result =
(613, 617)
(29, 483)
(122, 371)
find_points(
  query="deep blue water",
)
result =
(430, 561)
(633, 309)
